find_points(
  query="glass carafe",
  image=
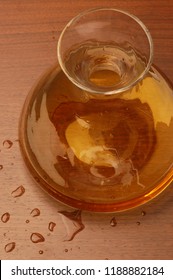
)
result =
(96, 130)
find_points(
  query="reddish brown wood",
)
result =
(29, 32)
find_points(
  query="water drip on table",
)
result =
(37, 237)
(1, 166)
(10, 247)
(18, 192)
(138, 223)
(5, 217)
(7, 144)
(41, 252)
(143, 213)
(113, 222)
(51, 226)
(73, 223)
(35, 212)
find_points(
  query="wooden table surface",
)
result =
(29, 31)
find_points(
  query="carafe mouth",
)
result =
(105, 50)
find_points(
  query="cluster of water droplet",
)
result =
(72, 220)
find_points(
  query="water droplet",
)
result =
(37, 237)
(35, 212)
(41, 252)
(113, 222)
(5, 217)
(73, 223)
(143, 213)
(27, 221)
(10, 247)
(51, 226)
(18, 192)
(138, 223)
(7, 144)
(1, 166)
(66, 250)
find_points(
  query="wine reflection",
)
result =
(100, 150)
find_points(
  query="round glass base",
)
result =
(99, 153)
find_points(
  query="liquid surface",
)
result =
(103, 67)
(72, 222)
(97, 152)
(113, 222)
(18, 192)
(10, 247)
(37, 237)
(5, 217)
(35, 212)
(51, 226)
(7, 144)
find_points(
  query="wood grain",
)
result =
(29, 32)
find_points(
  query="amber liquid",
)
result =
(99, 152)
(103, 67)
